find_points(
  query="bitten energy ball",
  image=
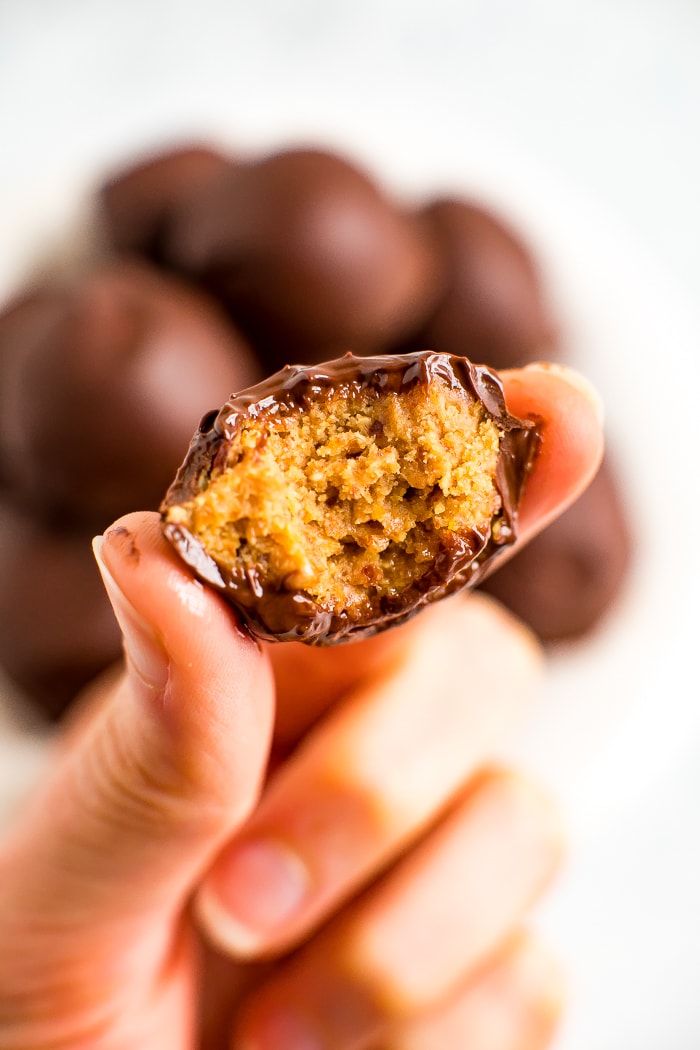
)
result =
(138, 203)
(309, 256)
(564, 581)
(338, 500)
(491, 305)
(101, 382)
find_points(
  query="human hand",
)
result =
(381, 846)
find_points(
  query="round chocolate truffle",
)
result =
(138, 202)
(102, 382)
(492, 306)
(57, 628)
(565, 580)
(311, 258)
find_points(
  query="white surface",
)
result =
(580, 120)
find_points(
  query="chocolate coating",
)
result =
(307, 253)
(567, 578)
(137, 203)
(491, 306)
(57, 628)
(100, 383)
(287, 614)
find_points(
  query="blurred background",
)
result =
(579, 124)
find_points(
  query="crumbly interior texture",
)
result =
(352, 499)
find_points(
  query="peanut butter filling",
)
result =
(354, 498)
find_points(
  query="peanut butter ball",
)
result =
(491, 305)
(138, 202)
(564, 582)
(57, 628)
(101, 382)
(309, 255)
(338, 500)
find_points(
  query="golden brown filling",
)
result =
(353, 499)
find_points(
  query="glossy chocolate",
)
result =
(308, 254)
(139, 202)
(57, 628)
(293, 615)
(491, 305)
(101, 381)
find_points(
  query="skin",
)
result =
(249, 847)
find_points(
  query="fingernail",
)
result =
(574, 379)
(145, 654)
(254, 889)
(281, 1031)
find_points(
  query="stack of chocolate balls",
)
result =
(218, 271)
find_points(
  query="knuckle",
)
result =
(524, 805)
(133, 788)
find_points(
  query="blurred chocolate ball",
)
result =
(103, 384)
(308, 254)
(491, 307)
(138, 202)
(565, 580)
(57, 629)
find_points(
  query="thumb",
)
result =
(144, 792)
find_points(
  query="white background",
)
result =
(580, 121)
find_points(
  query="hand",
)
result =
(383, 847)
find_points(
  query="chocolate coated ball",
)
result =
(239, 508)
(492, 306)
(138, 202)
(103, 384)
(57, 629)
(310, 257)
(565, 580)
